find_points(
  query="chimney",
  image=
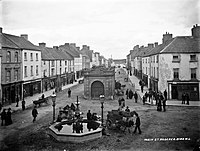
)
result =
(66, 44)
(156, 44)
(25, 36)
(88, 47)
(84, 46)
(136, 47)
(166, 37)
(73, 44)
(42, 44)
(55, 47)
(150, 46)
(78, 48)
(196, 31)
(1, 29)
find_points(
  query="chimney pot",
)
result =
(55, 47)
(66, 44)
(42, 44)
(78, 48)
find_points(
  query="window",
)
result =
(157, 58)
(146, 70)
(176, 73)
(146, 60)
(37, 70)
(31, 70)
(52, 63)
(16, 75)
(176, 58)
(193, 73)
(25, 56)
(193, 58)
(65, 70)
(157, 73)
(36, 56)
(25, 71)
(44, 73)
(8, 57)
(154, 71)
(8, 75)
(60, 70)
(60, 63)
(44, 62)
(16, 56)
(52, 71)
(31, 56)
(65, 62)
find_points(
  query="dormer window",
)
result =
(176, 58)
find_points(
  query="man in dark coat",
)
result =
(164, 105)
(187, 99)
(127, 109)
(183, 98)
(165, 94)
(130, 94)
(3, 117)
(89, 115)
(17, 100)
(8, 117)
(23, 105)
(127, 95)
(34, 113)
(69, 92)
(135, 96)
(137, 124)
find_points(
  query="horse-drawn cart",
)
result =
(40, 101)
(119, 119)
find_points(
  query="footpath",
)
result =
(135, 82)
(29, 100)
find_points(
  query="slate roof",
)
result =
(88, 53)
(71, 50)
(19, 42)
(183, 44)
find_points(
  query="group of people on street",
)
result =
(130, 95)
(185, 98)
(6, 117)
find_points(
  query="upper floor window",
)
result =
(31, 56)
(60, 63)
(60, 70)
(65, 62)
(44, 72)
(8, 75)
(193, 58)
(193, 73)
(8, 56)
(44, 62)
(25, 71)
(52, 71)
(157, 58)
(16, 75)
(52, 63)
(25, 56)
(37, 70)
(176, 58)
(16, 56)
(176, 73)
(31, 70)
(36, 56)
(65, 70)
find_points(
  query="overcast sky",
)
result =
(111, 27)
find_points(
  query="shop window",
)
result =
(16, 56)
(176, 73)
(8, 56)
(8, 76)
(193, 73)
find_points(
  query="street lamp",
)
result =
(102, 98)
(53, 97)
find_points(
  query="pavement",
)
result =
(135, 82)
(29, 100)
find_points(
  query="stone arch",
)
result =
(97, 89)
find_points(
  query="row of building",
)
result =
(172, 65)
(27, 69)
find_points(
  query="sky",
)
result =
(111, 27)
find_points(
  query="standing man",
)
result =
(130, 94)
(135, 96)
(164, 105)
(183, 98)
(142, 87)
(137, 124)
(165, 94)
(69, 93)
(89, 115)
(187, 99)
(3, 117)
(17, 100)
(23, 105)
(34, 113)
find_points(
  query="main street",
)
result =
(177, 122)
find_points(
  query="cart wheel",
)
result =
(108, 124)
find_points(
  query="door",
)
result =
(174, 92)
(97, 89)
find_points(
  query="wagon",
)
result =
(40, 101)
(117, 119)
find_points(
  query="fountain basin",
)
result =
(67, 134)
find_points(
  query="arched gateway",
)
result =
(99, 81)
(97, 89)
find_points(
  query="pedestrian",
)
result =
(130, 94)
(17, 100)
(119, 101)
(135, 96)
(3, 117)
(123, 102)
(69, 93)
(127, 109)
(8, 117)
(183, 98)
(144, 99)
(150, 96)
(1, 106)
(140, 82)
(165, 94)
(127, 91)
(23, 105)
(137, 124)
(164, 104)
(187, 99)
(34, 113)
(89, 115)
(142, 87)
(42, 96)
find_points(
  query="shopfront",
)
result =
(31, 88)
